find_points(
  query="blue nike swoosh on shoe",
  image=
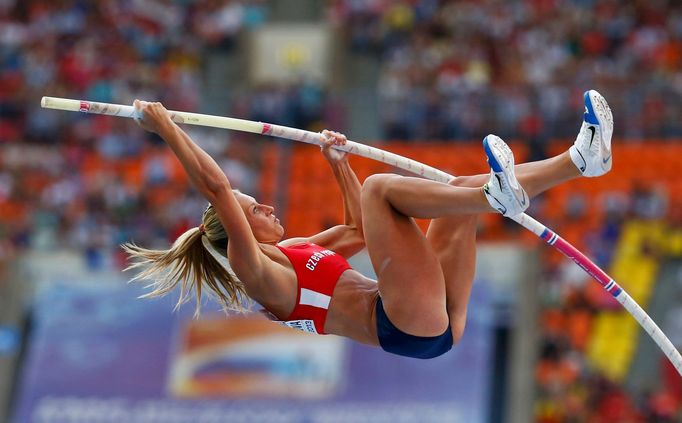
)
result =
(606, 160)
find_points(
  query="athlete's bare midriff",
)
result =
(351, 310)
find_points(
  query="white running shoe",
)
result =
(591, 151)
(503, 191)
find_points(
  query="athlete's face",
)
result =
(262, 219)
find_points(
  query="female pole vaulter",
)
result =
(417, 306)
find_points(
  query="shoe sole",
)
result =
(492, 159)
(496, 150)
(599, 113)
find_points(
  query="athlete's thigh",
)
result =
(409, 274)
(454, 241)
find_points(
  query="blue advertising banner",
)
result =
(99, 354)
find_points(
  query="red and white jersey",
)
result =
(317, 271)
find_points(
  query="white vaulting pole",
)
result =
(253, 127)
(401, 162)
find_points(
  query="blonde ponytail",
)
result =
(190, 264)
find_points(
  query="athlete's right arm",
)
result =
(246, 258)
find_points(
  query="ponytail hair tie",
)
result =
(202, 229)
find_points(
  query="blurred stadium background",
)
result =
(426, 79)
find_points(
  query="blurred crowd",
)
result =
(461, 69)
(449, 70)
(60, 173)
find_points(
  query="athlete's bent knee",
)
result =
(377, 184)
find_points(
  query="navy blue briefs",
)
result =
(395, 341)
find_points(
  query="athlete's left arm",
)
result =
(346, 239)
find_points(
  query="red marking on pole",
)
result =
(85, 107)
(266, 129)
